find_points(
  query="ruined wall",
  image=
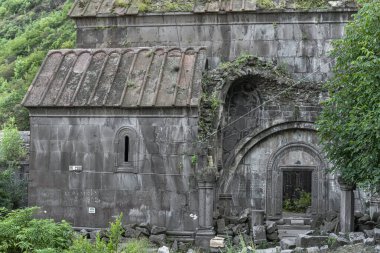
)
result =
(160, 189)
(299, 40)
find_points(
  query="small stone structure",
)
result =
(116, 123)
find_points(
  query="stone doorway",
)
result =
(304, 159)
(296, 189)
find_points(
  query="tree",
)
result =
(349, 125)
(12, 151)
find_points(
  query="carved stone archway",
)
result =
(275, 169)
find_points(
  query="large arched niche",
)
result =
(255, 177)
(241, 113)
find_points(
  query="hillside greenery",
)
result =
(28, 30)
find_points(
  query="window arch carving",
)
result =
(126, 150)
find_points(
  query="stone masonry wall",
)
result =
(299, 40)
(160, 189)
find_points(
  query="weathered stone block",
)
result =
(356, 237)
(369, 241)
(259, 234)
(158, 239)
(305, 241)
(155, 230)
(271, 226)
(376, 233)
(288, 243)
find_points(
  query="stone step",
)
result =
(290, 233)
(294, 227)
(297, 221)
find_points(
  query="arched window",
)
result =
(126, 150)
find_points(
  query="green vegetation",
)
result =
(266, 4)
(12, 151)
(20, 232)
(28, 29)
(298, 205)
(310, 4)
(349, 125)
(165, 5)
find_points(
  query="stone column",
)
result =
(346, 206)
(205, 231)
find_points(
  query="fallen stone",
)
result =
(377, 249)
(182, 246)
(273, 236)
(324, 249)
(271, 227)
(221, 226)
(312, 250)
(84, 233)
(243, 217)
(369, 233)
(246, 238)
(103, 233)
(341, 241)
(190, 251)
(376, 235)
(331, 215)
(145, 225)
(305, 241)
(217, 242)
(158, 230)
(369, 241)
(299, 250)
(356, 237)
(163, 249)
(317, 222)
(259, 234)
(240, 229)
(93, 234)
(159, 240)
(287, 251)
(364, 218)
(216, 214)
(143, 231)
(131, 233)
(174, 247)
(288, 243)
(330, 226)
(231, 219)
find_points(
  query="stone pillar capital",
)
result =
(345, 186)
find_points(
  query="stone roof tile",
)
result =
(130, 77)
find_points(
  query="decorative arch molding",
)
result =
(123, 148)
(217, 83)
(246, 144)
(274, 186)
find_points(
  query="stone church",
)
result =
(116, 123)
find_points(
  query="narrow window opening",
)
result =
(126, 149)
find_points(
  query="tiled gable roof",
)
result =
(130, 77)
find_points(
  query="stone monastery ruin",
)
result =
(165, 117)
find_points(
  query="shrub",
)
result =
(19, 232)
(299, 204)
(12, 186)
(136, 246)
(12, 149)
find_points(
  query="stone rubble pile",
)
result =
(237, 228)
(313, 243)
(155, 234)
